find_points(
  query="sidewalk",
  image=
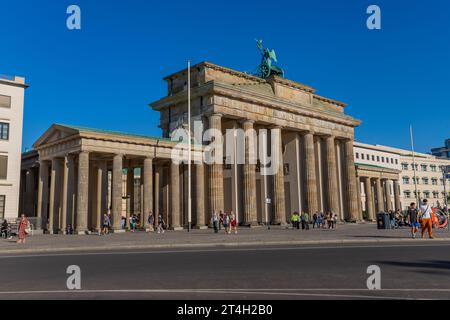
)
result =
(261, 236)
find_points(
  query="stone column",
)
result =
(83, 192)
(148, 190)
(387, 192)
(333, 191)
(54, 208)
(65, 190)
(278, 184)
(175, 213)
(29, 195)
(250, 217)
(158, 177)
(216, 170)
(352, 192)
(130, 192)
(116, 201)
(398, 203)
(310, 174)
(358, 189)
(200, 196)
(369, 199)
(380, 200)
(102, 171)
(42, 203)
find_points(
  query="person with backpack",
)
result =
(425, 216)
(215, 221)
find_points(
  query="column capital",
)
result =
(244, 121)
(214, 114)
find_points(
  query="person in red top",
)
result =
(233, 222)
(23, 225)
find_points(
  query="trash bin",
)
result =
(380, 220)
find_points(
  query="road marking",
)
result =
(270, 292)
(218, 249)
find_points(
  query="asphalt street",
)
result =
(314, 272)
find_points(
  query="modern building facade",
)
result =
(394, 187)
(80, 170)
(12, 91)
(442, 152)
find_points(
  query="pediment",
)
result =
(55, 133)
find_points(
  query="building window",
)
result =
(425, 180)
(405, 180)
(392, 160)
(378, 158)
(2, 206)
(373, 158)
(5, 101)
(3, 167)
(434, 182)
(404, 166)
(382, 159)
(396, 161)
(424, 167)
(426, 194)
(407, 194)
(435, 194)
(433, 168)
(357, 155)
(362, 156)
(4, 131)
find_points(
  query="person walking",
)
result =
(413, 214)
(335, 220)
(160, 228)
(295, 220)
(425, 215)
(233, 223)
(24, 229)
(150, 222)
(106, 224)
(226, 222)
(215, 221)
(329, 220)
(307, 220)
(220, 220)
(302, 220)
(314, 220)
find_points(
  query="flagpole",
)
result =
(189, 146)
(414, 165)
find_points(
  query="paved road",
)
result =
(339, 272)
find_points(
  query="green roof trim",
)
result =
(120, 133)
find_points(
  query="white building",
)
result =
(428, 173)
(11, 119)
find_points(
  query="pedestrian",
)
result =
(24, 229)
(160, 228)
(220, 220)
(106, 224)
(323, 220)
(314, 220)
(215, 221)
(133, 222)
(307, 221)
(413, 219)
(425, 216)
(329, 220)
(150, 221)
(302, 220)
(335, 220)
(4, 229)
(226, 223)
(392, 218)
(233, 223)
(295, 220)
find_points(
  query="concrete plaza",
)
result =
(261, 236)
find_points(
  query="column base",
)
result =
(252, 224)
(200, 227)
(176, 228)
(118, 231)
(81, 232)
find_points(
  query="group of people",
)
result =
(23, 229)
(420, 217)
(226, 220)
(134, 221)
(319, 220)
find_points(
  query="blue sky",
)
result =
(105, 75)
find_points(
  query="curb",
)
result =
(218, 245)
